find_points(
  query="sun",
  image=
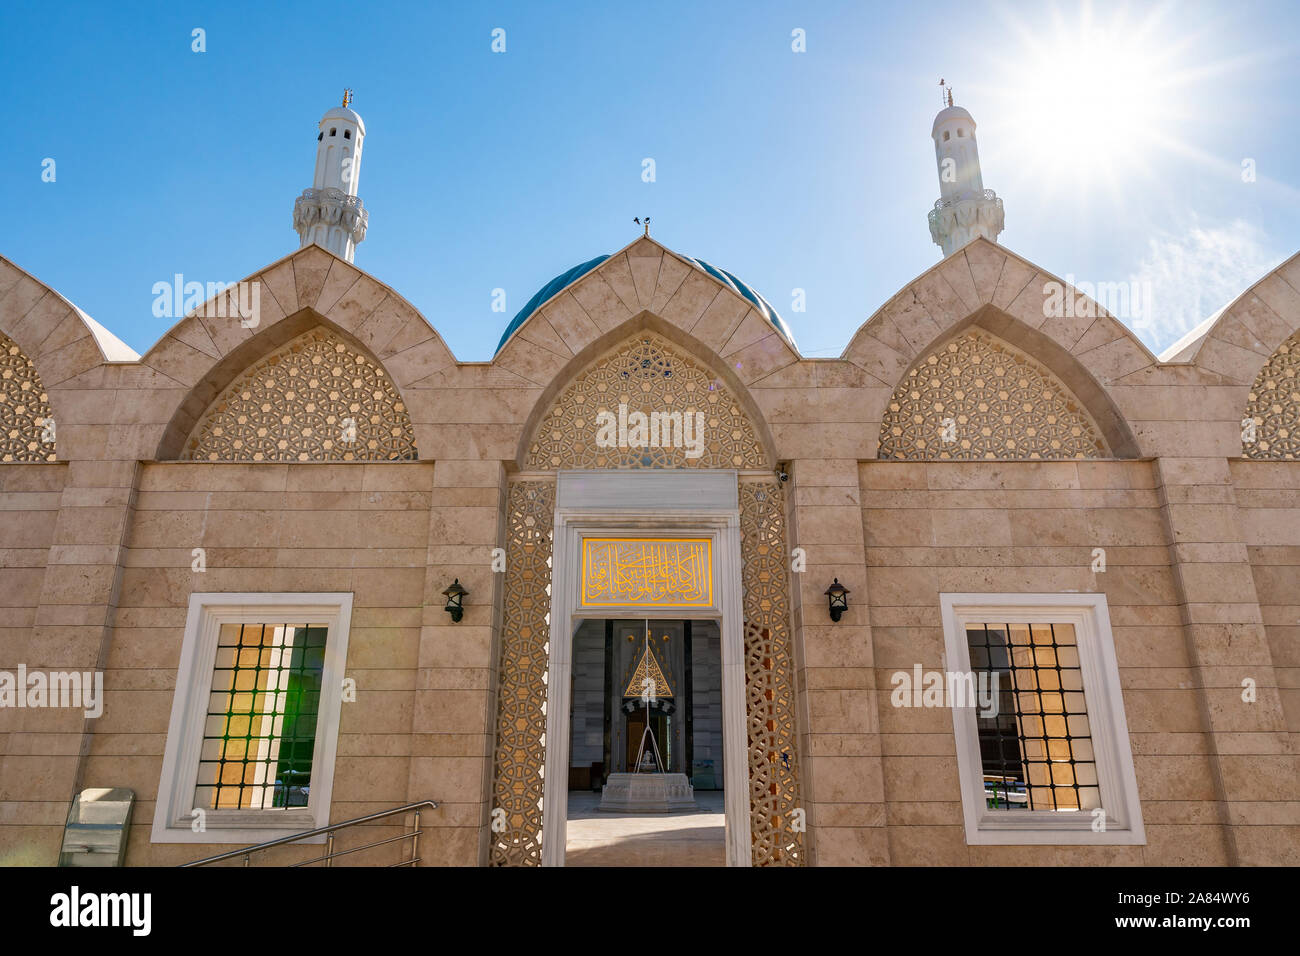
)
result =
(1089, 103)
(1100, 93)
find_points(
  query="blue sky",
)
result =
(810, 170)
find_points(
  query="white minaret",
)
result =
(965, 209)
(330, 214)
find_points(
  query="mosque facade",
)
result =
(996, 585)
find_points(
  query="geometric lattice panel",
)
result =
(521, 683)
(24, 407)
(776, 833)
(315, 398)
(1274, 404)
(646, 376)
(978, 398)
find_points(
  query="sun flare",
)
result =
(1099, 97)
(1089, 102)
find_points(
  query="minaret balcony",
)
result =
(332, 207)
(954, 222)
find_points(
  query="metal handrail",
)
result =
(329, 831)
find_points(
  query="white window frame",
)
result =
(1090, 616)
(174, 813)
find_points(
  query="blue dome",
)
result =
(565, 279)
(746, 291)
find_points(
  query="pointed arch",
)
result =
(1044, 352)
(317, 397)
(983, 284)
(204, 351)
(57, 344)
(1247, 332)
(645, 367)
(977, 397)
(24, 408)
(707, 305)
(1273, 407)
(45, 324)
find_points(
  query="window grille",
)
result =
(1037, 749)
(260, 729)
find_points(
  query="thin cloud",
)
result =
(1193, 275)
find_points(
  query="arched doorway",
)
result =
(646, 376)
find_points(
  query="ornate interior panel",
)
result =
(646, 376)
(1274, 406)
(978, 398)
(316, 398)
(24, 408)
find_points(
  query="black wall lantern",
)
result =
(839, 599)
(455, 594)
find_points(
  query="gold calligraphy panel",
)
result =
(647, 572)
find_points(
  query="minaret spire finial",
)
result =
(347, 97)
(945, 93)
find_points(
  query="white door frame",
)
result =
(664, 503)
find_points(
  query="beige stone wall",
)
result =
(389, 533)
(1026, 526)
(36, 753)
(1201, 549)
(1268, 495)
(271, 528)
(1268, 501)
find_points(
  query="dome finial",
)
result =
(347, 97)
(945, 93)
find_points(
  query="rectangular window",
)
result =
(254, 727)
(1051, 762)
